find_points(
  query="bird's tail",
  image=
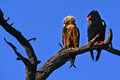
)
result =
(92, 56)
(72, 60)
(98, 54)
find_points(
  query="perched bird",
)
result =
(70, 36)
(96, 26)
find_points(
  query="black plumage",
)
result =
(96, 26)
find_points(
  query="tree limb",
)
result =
(56, 61)
(32, 39)
(31, 70)
(63, 55)
(60, 46)
(20, 57)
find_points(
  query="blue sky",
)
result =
(43, 19)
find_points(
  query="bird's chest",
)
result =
(70, 29)
(70, 32)
(89, 23)
(94, 26)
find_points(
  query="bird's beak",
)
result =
(87, 18)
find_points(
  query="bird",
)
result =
(96, 25)
(70, 36)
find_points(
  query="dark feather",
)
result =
(96, 26)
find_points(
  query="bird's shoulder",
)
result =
(103, 23)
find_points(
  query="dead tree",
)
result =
(56, 61)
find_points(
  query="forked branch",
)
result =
(63, 55)
(31, 67)
(56, 61)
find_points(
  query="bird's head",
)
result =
(69, 20)
(93, 14)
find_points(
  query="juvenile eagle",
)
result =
(70, 36)
(96, 26)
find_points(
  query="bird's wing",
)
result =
(63, 36)
(77, 35)
(103, 23)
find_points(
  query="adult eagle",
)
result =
(70, 36)
(96, 26)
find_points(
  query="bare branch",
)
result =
(20, 57)
(63, 55)
(1, 13)
(31, 69)
(7, 19)
(32, 39)
(11, 24)
(55, 61)
(24, 42)
(60, 46)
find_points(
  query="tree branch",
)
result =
(63, 55)
(31, 70)
(20, 57)
(32, 39)
(24, 42)
(55, 61)
(60, 46)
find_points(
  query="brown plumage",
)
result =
(96, 26)
(70, 36)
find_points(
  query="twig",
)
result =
(55, 61)
(60, 46)
(63, 55)
(32, 39)
(20, 57)
(31, 67)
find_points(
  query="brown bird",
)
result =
(96, 26)
(70, 36)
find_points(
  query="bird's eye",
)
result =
(89, 17)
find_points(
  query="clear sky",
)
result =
(43, 19)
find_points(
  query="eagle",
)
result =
(70, 36)
(96, 26)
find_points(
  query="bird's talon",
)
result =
(101, 41)
(96, 43)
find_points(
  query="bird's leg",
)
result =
(101, 41)
(95, 43)
(98, 42)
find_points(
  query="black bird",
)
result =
(96, 26)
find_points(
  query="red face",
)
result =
(88, 18)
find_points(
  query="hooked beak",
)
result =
(89, 17)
